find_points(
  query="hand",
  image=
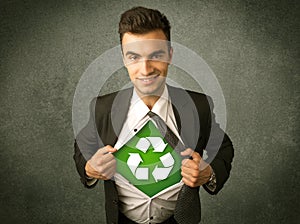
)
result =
(102, 165)
(195, 172)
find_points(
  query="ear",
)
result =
(171, 55)
(122, 53)
(124, 63)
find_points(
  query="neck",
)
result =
(150, 100)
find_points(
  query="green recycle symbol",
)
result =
(148, 162)
(159, 173)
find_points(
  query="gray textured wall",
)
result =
(253, 48)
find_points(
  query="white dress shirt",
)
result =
(135, 204)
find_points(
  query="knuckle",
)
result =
(193, 184)
(111, 157)
(99, 162)
(194, 166)
(194, 180)
(100, 170)
(103, 177)
(195, 174)
(107, 176)
(114, 163)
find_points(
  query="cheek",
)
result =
(132, 72)
(163, 68)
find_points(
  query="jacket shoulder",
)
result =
(199, 99)
(105, 103)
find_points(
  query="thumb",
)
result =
(105, 150)
(110, 149)
(187, 152)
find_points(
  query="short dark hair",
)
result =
(140, 20)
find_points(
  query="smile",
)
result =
(148, 79)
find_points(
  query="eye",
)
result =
(156, 56)
(133, 57)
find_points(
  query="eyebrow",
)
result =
(132, 53)
(153, 53)
(157, 52)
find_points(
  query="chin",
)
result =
(150, 92)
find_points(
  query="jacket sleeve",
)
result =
(87, 142)
(220, 151)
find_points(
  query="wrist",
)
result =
(212, 182)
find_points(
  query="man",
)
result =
(147, 53)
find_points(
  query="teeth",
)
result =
(148, 79)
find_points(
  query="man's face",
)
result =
(147, 57)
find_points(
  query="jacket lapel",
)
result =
(119, 110)
(186, 116)
(184, 108)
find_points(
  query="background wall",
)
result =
(253, 48)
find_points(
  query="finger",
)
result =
(109, 169)
(93, 175)
(91, 171)
(89, 168)
(104, 159)
(190, 152)
(189, 178)
(105, 162)
(194, 161)
(110, 149)
(196, 157)
(106, 149)
(194, 182)
(187, 172)
(191, 164)
(98, 176)
(192, 174)
(188, 182)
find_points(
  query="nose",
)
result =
(146, 67)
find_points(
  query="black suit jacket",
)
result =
(195, 120)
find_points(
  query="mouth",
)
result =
(148, 80)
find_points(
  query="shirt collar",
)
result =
(139, 109)
(162, 104)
